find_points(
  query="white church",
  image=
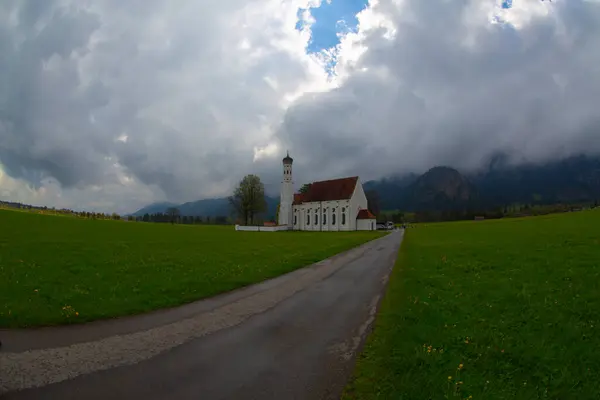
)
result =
(333, 205)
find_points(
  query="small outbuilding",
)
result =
(366, 221)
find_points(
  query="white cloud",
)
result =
(434, 82)
(125, 103)
(180, 94)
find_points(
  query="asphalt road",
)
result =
(300, 345)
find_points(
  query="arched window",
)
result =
(324, 218)
(307, 219)
(295, 220)
(343, 216)
(316, 219)
(333, 218)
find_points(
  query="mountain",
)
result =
(391, 191)
(204, 208)
(154, 208)
(440, 188)
(571, 180)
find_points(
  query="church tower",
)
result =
(286, 197)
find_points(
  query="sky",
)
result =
(111, 105)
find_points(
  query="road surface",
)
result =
(293, 337)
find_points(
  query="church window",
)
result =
(316, 219)
(343, 216)
(295, 220)
(324, 219)
(333, 218)
(307, 219)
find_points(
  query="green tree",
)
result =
(248, 199)
(304, 189)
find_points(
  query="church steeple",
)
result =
(288, 159)
(287, 168)
(287, 193)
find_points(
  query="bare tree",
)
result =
(248, 199)
(173, 213)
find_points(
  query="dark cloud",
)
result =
(142, 94)
(452, 89)
(125, 103)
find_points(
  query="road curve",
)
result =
(293, 337)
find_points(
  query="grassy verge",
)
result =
(57, 270)
(504, 309)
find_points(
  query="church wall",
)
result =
(358, 202)
(305, 216)
(366, 225)
(260, 228)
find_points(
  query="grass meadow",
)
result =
(502, 309)
(59, 270)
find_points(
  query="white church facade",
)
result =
(332, 205)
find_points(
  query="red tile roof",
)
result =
(365, 214)
(335, 189)
(298, 198)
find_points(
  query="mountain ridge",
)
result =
(212, 207)
(443, 188)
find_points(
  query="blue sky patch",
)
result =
(506, 3)
(337, 16)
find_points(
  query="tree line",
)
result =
(248, 206)
(508, 211)
(170, 216)
(173, 217)
(58, 211)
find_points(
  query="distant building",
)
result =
(332, 205)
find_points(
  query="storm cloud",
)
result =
(438, 83)
(112, 105)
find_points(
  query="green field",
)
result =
(58, 270)
(503, 309)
